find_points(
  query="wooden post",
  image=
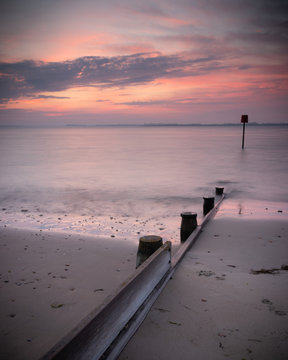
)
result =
(104, 332)
(147, 246)
(208, 204)
(219, 190)
(188, 224)
(244, 120)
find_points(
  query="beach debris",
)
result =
(269, 271)
(56, 305)
(95, 290)
(174, 323)
(233, 266)
(206, 273)
(256, 340)
(12, 315)
(272, 308)
(162, 310)
(265, 271)
(280, 312)
(221, 335)
(222, 277)
(267, 301)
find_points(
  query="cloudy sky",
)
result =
(137, 61)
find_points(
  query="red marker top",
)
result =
(244, 119)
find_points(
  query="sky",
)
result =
(134, 61)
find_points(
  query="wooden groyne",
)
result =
(105, 331)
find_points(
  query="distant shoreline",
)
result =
(173, 125)
(145, 125)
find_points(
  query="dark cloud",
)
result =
(50, 97)
(29, 78)
(264, 35)
(182, 101)
(147, 8)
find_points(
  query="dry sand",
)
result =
(215, 307)
(50, 281)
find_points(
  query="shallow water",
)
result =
(70, 178)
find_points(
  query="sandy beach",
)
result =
(227, 298)
(119, 120)
(50, 281)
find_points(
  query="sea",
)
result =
(127, 182)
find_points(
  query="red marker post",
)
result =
(244, 120)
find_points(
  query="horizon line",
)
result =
(142, 125)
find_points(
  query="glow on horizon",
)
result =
(165, 62)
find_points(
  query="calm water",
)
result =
(142, 172)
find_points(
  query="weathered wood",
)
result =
(244, 120)
(193, 237)
(91, 338)
(212, 212)
(147, 246)
(131, 327)
(106, 330)
(188, 225)
(208, 204)
(219, 190)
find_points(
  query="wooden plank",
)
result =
(193, 237)
(91, 338)
(131, 327)
(185, 247)
(105, 332)
(212, 212)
